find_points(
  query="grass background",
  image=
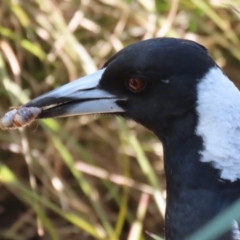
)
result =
(90, 177)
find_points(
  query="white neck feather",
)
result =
(236, 231)
(218, 109)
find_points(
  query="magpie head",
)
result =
(158, 83)
(152, 82)
(158, 78)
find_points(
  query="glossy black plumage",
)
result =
(155, 60)
(171, 69)
(195, 194)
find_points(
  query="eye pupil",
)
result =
(135, 84)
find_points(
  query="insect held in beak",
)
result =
(19, 117)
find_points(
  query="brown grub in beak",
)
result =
(19, 117)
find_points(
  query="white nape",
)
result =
(218, 109)
(235, 231)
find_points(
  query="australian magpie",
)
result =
(175, 89)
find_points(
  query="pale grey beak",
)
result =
(82, 96)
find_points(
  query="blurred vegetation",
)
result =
(89, 177)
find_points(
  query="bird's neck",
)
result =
(195, 192)
(202, 156)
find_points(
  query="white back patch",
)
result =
(236, 231)
(218, 109)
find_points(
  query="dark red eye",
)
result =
(135, 84)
